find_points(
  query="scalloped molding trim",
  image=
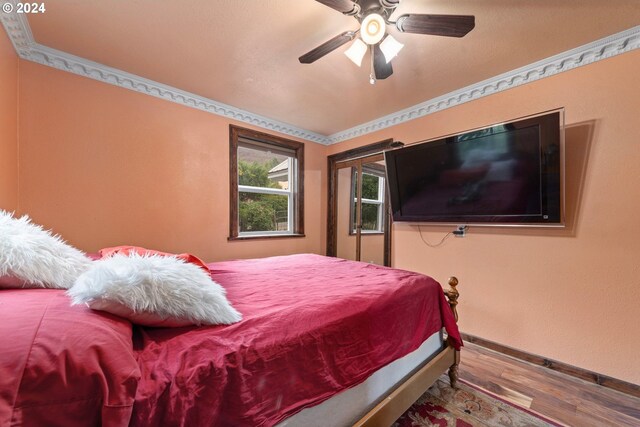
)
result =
(20, 34)
(607, 47)
(73, 64)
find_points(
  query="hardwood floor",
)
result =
(566, 399)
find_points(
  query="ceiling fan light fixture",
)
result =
(390, 47)
(356, 52)
(372, 29)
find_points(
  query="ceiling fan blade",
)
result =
(327, 47)
(381, 68)
(343, 6)
(436, 25)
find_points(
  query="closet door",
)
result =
(346, 178)
(371, 211)
(362, 220)
(358, 218)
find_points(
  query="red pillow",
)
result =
(126, 250)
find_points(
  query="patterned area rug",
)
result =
(467, 406)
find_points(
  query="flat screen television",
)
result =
(506, 174)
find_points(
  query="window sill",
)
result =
(265, 236)
(367, 233)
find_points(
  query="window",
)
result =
(373, 191)
(266, 178)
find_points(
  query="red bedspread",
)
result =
(62, 365)
(312, 326)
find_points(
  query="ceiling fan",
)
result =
(374, 16)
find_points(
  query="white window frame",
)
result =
(379, 202)
(290, 193)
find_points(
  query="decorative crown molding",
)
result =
(607, 47)
(63, 61)
(17, 27)
(18, 30)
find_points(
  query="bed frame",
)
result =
(402, 397)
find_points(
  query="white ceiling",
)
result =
(244, 52)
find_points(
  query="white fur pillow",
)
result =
(31, 257)
(154, 290)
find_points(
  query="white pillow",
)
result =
(154, 290)
(31, 257)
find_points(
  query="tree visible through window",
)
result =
(373, 190)
(264, 190)
(267, 184)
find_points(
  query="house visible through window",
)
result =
(373, 191)
(266, 185)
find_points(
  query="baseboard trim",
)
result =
(583, 374)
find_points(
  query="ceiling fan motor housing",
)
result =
(382, 7)
(389, 4)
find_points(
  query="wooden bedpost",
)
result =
(452, 295)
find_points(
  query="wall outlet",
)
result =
(461, 231)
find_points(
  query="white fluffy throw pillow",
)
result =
(31, 257)
(154, 290)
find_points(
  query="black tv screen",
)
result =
(504, 174)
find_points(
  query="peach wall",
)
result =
(8, 125)
(573, 294)
(102, 166)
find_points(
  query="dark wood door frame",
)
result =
(332, 212)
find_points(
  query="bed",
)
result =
(323, 341)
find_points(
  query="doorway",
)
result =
(359, 224)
